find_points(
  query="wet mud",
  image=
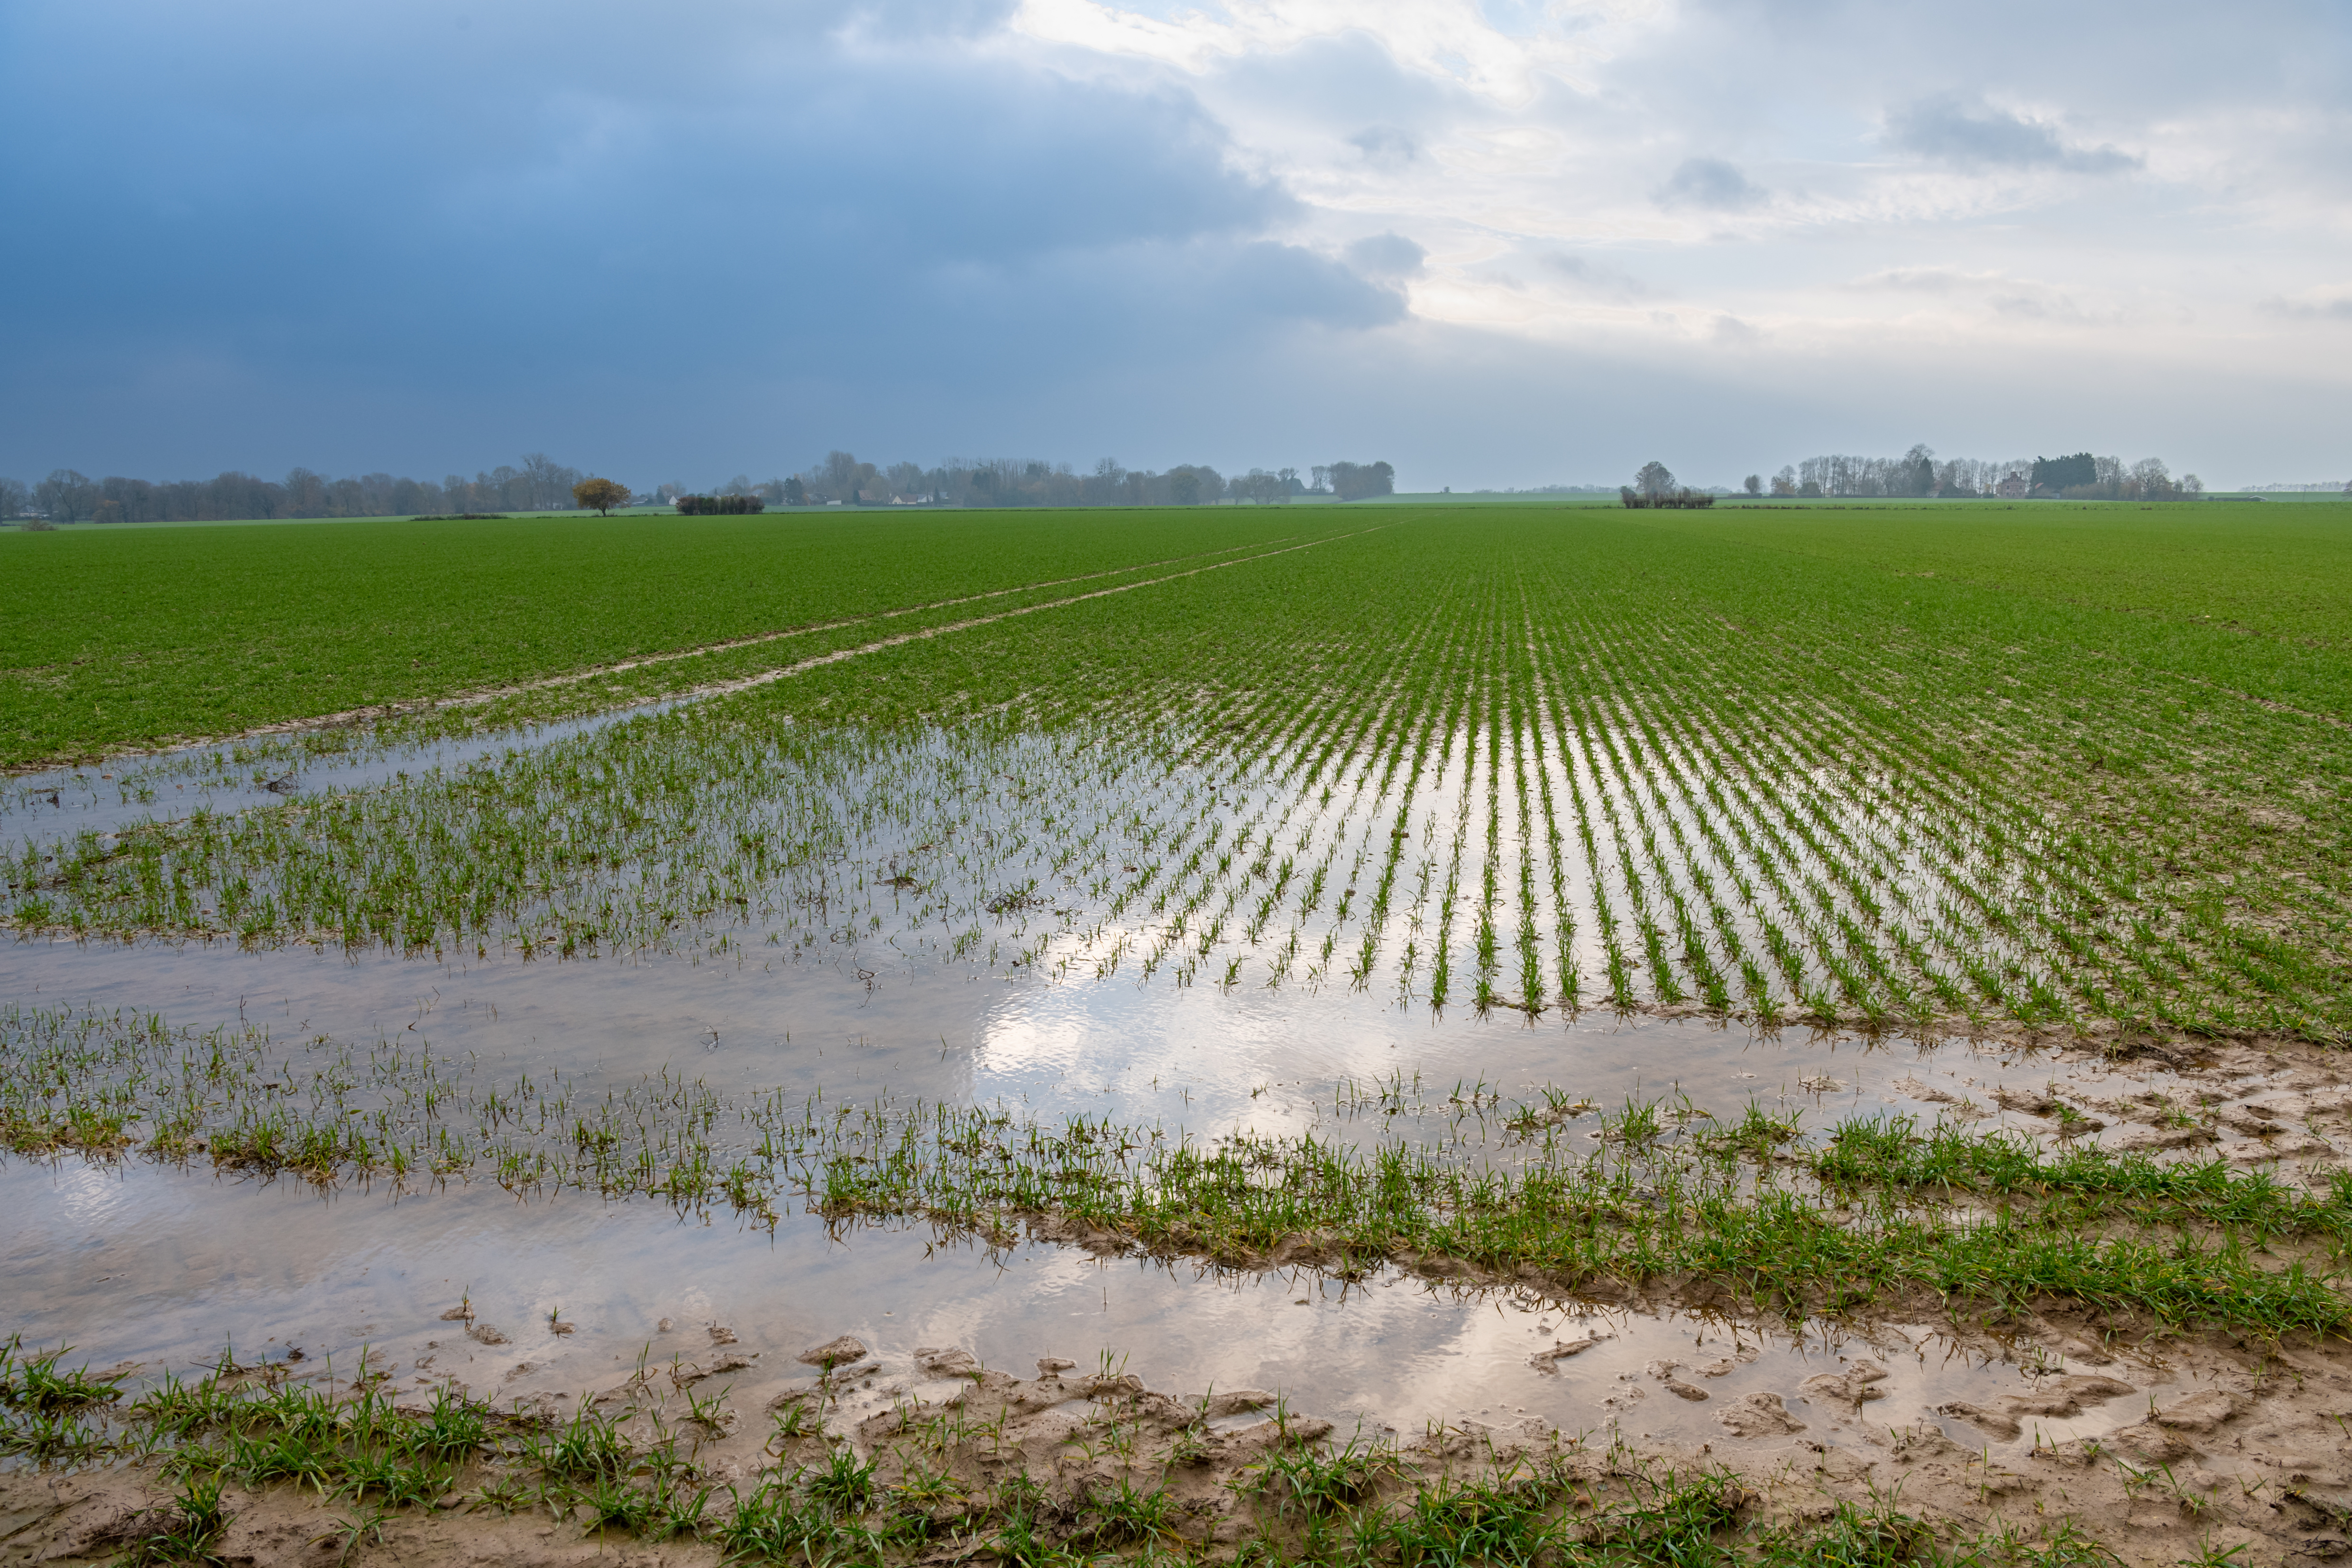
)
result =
(2202, 1446)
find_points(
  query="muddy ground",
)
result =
(2259, 1458)
(2160, 1446)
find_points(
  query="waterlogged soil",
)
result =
(1337, 1062)
(2157, 1452)
(563, 1297)
(227, 776)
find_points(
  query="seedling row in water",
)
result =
(1502, 790)
(1877, 1210)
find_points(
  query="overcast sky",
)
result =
(1504, 243)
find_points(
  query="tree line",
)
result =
(1919, 472)
(543, 484)
(843, 479)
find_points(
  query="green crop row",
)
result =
(1653, 1193)
(1513, 760)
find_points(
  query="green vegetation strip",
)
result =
(1638, 1209)
(1661, 1195)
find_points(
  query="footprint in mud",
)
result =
(1851, 1387)
(1757, 1415)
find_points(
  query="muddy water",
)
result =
(1208, 1060)
(138, 1263)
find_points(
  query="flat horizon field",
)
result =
(134, 638)
(1761, 995)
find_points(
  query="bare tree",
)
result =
(840, 476)
(1655, 479)
(543, 484)
(1753, 484)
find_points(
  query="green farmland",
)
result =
(1903, 767)
(1879, 953)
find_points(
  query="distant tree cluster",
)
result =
(844, 480)
(1919, 474)
(1356, 481)
(540, 484)
(1655, 485)
(719, 506)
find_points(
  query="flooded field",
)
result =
(1529, 1047)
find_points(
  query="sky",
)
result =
(1501, 243)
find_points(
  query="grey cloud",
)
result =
(977, 239)
(1710, 183)
(1386, 147)
(1592, 275)
(2336, 310)
(1387, 255)
(1945, 127)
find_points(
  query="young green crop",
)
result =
(1880, 1207)
(1507, 760)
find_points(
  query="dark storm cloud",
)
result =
(299, 226)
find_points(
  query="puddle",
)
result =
(136, 1264)
(227, 776)
(1339, 1060)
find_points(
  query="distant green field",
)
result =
(130, 637)
(2276, 573)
